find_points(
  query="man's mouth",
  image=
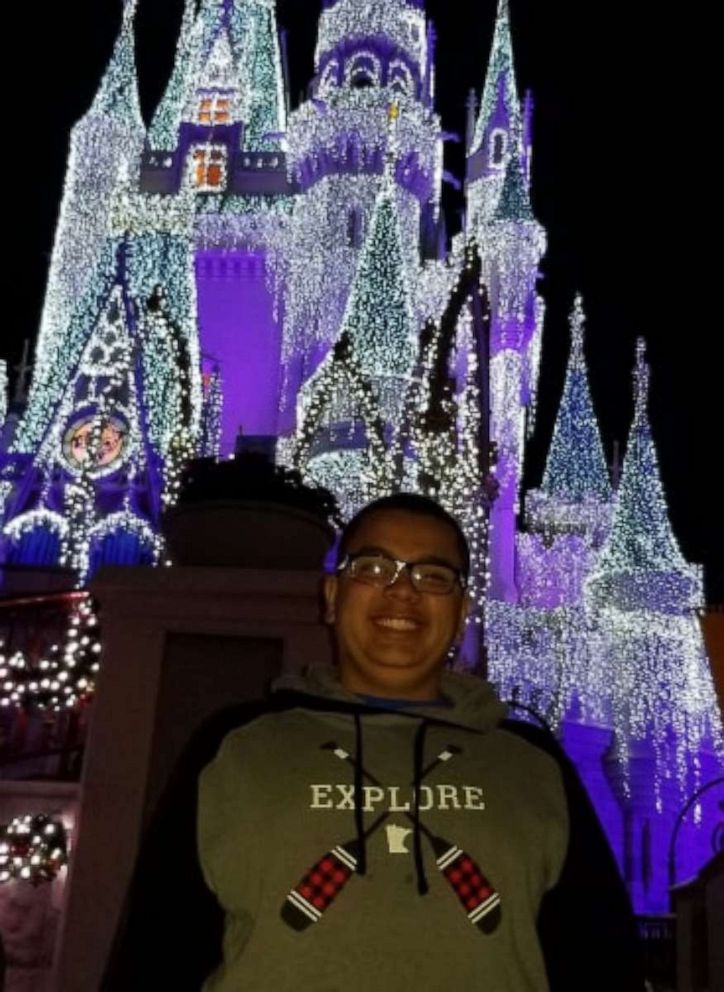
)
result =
(402, 624)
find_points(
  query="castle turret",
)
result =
(369, 57)
(500, 218)
(568, 517)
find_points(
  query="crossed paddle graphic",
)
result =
(307, 902)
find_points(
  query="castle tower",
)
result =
(500, 218)
(568, 517)
(219, 131)
(642, 594)
(380, 339)
(104, 149)
(369, 57)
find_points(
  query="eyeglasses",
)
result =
(381, 571)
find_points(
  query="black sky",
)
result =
(625, 179)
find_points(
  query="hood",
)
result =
(472, 702)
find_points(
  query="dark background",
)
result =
(625, 180)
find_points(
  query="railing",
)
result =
(658, 940)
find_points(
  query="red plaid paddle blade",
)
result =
(478, 897)
(306, 903)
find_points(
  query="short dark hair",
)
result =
(424, 506)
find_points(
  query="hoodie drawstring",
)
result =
(418, 758)
(359, 802)
(359, 799)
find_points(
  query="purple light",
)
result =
(238, 332)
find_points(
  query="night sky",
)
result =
(624, 180)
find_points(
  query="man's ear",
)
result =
(330, 597)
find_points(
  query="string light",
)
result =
(33, 848)
(61, 678)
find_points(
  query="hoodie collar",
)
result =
(473, 704)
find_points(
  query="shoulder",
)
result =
(541, 751)
(539, 738)
(534, 746)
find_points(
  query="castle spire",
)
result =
(117, 94)
(228, 71)
(576, 466)
(641, 565)
(500, 105)
(163, 132)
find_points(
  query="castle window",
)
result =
(362, 80)
(400, 79)
(329, 77)
(214, 108)
(499, 143)
(209, 167)
(354, 228)
(363, 71)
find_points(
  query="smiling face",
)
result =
(393, 641)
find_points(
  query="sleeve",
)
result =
(171, 930)
(586, 924)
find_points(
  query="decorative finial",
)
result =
(642, 376)
(577, 325)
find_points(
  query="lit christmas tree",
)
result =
(378, 318)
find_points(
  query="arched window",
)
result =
(363, 71)
(399, 78)
(120, 548)
(121, 539)
(35, 538)
(330, 76)
(362, 79)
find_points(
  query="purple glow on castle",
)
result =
(239, 335)
(237, 266)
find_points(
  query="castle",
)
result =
(239, 274)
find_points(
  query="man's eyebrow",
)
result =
(372, 549)
(375, 549)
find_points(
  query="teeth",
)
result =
(396, 623)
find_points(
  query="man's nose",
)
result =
(402, 586)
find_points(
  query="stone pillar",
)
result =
(587, 747)
(178, 644)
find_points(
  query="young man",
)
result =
(379, 822)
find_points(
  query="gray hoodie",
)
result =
(355, 848)
(313, 841)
